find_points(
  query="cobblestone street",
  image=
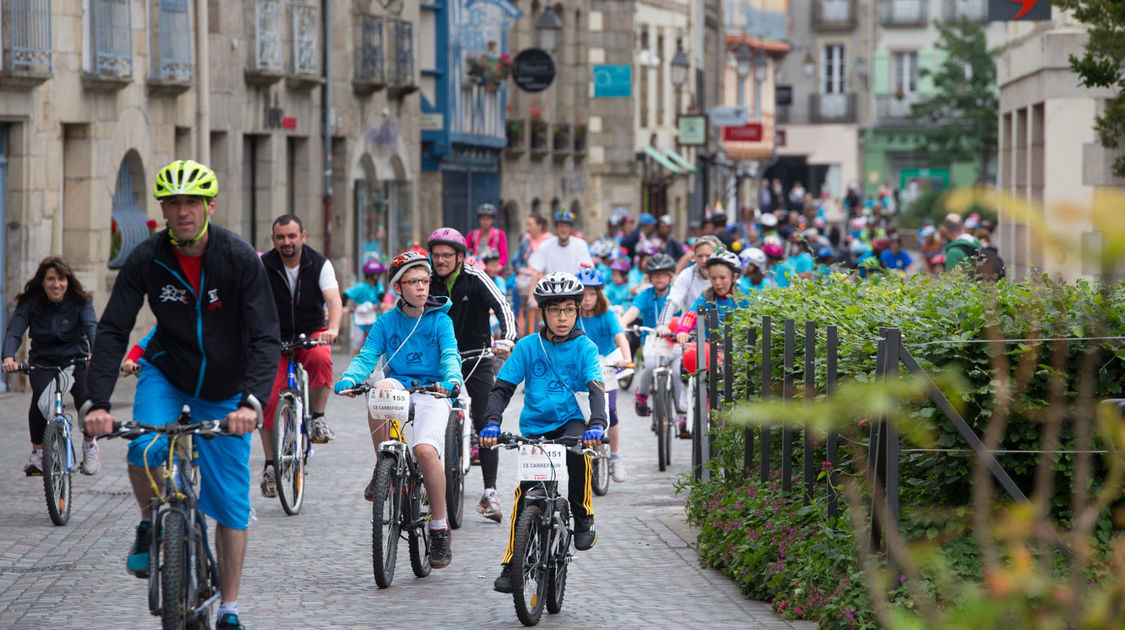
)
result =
(314, 570)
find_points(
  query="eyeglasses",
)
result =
(444, 256)
(417, 282)
(559, 311)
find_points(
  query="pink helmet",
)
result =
(773, 250)
(450, 237)
(374, 267)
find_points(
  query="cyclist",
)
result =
(367, 298)
(689, 283)
(487, 236)
(59, 316)
(216, 345)
(471, 294)
(647, 306)
(554, 365)
(602, 326)
(303, 283)
(722, 270)
(562, 252)
(418, 337)
(754, 264)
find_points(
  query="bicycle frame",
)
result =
(60, 416)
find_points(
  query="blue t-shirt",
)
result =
(749, 288)
(618, 295)
(780, 273)
(365, 292)
(725, 305)
(424, 351)
(650, 306)
(802, 263)
(548, 401)
(899, 262)
(601, 329)
(635, 277)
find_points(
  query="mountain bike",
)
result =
(183, 576)
(543, 532)
(401, 503)
(663, 351)
(458, 437)
(59, 460)
(292, 438)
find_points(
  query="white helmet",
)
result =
(754, 256)
(558, 286)
(726, 257)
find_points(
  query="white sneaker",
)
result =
(91, 459)
(617, 468)
(34, 465)
(489, 505)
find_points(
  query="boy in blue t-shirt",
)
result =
(553, 365)
(648, 305)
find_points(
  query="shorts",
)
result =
(223, 461)
(431, 415)
(317, 362)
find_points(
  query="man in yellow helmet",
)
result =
(214, 349)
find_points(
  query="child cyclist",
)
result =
(602, 326)
(617, 291)
(647, 306)
(554, 364)
(418, 338)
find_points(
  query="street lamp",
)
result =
(680, 66)
(548, 27)
(761, 66)
(810, 64)
(743, 57)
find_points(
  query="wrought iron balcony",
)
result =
(172, 65)
(305, 20)
(975, 10)
(400, 64)
(895, 107)
(833, 15)
(903, 12)
(27, 42)
(370, 58)
(265, 63)
(112, 34)
(832, 108)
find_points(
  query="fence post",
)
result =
(874, 451)
(891, 447)
(831, 446)
(764, 447)
(787, 398)
(713, 402)
(728, 365)
(700, 397)
(810, 394)
(748, 432)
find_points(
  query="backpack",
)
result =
(985, 260)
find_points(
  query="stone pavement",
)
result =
(314, 570)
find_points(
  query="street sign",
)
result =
(613, 81)
(692, 130)
(728, 115)
(751, 132)
(1019, 10)
(533, 70)
(784, 94)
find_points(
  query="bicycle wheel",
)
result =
(420, 533)
(56, 477)
(385, 523)
(289, 453)
(600, 477)
(529, 565)
(174, 571)
(556, 587)
(669, 426)
(661, 417)
(203, 584)
(454, 474)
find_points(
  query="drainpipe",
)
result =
(326, 11)
(203, 86)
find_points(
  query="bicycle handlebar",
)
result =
(636, 328)
(431, 390)
(572, 442)
(28, 368)
(301, 342)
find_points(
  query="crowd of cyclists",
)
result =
(557, 312)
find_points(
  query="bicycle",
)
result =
(183, 576)
(543, 533)
(663, 350)
(458, 442)
(292, 440)
(59, 460)
(401, 502)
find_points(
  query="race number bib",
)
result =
(389, 404)
(545, 462)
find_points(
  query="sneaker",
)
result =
(91, 459)
(585, 536)
(321, 432)
(229, 621)
(640, 405)
(503, 584)
(474, 455)
(617, 468)
(34, 467)
(369, 491)
(269, 483)
(441, 548)
(489, 505)
(685, 434)
(137, 562)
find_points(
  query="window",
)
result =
(29, 41)
(904, 72)
(111, 33)
(129, 224)
(834, 73)
(173, 41)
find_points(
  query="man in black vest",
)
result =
(302, 282)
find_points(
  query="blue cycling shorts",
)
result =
(223, 461)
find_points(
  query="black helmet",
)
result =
(660, 262)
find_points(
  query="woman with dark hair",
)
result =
(59, 317)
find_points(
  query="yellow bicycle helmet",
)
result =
(186, 177)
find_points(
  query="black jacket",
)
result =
(300, 312)
(473, 294)
(64, 330)
(211, 346)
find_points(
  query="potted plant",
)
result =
(538, 126)
(561, 137)
(579, 137)
(514, 129)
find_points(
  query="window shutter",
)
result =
(882, 72)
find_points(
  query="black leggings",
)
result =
(478, 385)
(40, 379)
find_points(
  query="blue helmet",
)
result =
(590, 277)
(647, 219)
(564, 216)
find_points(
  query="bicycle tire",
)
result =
(600, 476)
(669, 426)
(173, 572)
(56, 477)
(154, 557)
(386, 523)
(204, 586)
(660, 417)
(419, 536)
(556, 586)
(289, 453)
(454, 474)
(529, 565)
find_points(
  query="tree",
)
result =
(963, 108)
(1103, 65)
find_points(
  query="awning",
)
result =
(680, 160)
(663, 161)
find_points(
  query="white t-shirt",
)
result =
(552, 257)
(327, 277)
